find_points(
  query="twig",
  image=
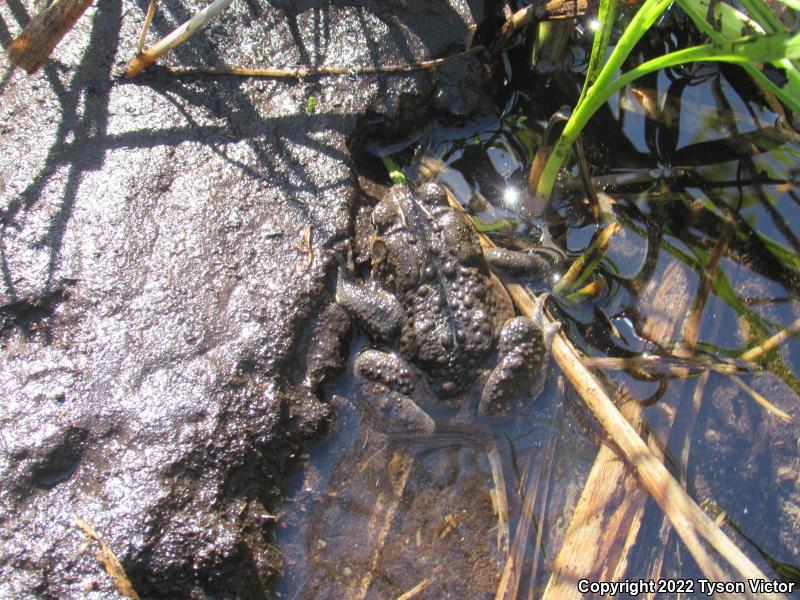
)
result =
(538, 548)
(150, 55)
(148, 19)
(109, 560)
(762, 400)
(553, 10)
(771, 343)
(670, 365)
(42, 34)
(509, 580)
(382, 517)
(500, 500)
(692, 327)
(416, 590)
(303, 71)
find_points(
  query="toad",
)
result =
(443, 320)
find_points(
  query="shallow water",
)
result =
(371, 516)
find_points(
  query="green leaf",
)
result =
(606, 15)
(789, 259)
(793, 4)
(499, 225)
(778, 48)
(395, 173)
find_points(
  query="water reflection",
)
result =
(706, 268)
(382, 514)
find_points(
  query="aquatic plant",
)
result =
(769, 43)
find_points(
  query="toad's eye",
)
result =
(383, 217)
(433, 194)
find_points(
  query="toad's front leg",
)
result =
(392, 388)
(516, 262)
(379, 313)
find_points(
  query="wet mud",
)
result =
(166, 317)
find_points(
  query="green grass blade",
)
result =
(606, 15)
(649, 12)
(764, 15)
(758, 48)
(395, 172)
(751, 49)
(727, 16)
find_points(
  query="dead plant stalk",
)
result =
(690, 522)
(150, 55)
(45, 30)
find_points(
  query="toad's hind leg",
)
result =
(390, 385)
(523, 351)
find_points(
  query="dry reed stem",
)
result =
(509, 580)
(303, 71)
(771, 343)
(762, 400)
(500, 500)
(669, 365)
(150, 55)
(45, 30)
(109, 560)
(690, 522)
(148, 19)
(381, 519)
(692, 326)
(549, 457)
(416, 590)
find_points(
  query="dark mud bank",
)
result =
(166, 325)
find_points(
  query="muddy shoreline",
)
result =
(166, 320)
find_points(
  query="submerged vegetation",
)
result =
(679, 249)
(772, 44)
(680, 299)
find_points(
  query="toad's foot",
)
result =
(391, 386)
(516, 262)
(523, 351)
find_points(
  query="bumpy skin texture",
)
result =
(427, 256)
(521, 343)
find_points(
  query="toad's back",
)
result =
(427, 255)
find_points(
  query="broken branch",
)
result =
(42, 34)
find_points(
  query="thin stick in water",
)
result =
(303, 71)
(762, 400)
(771, 343)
